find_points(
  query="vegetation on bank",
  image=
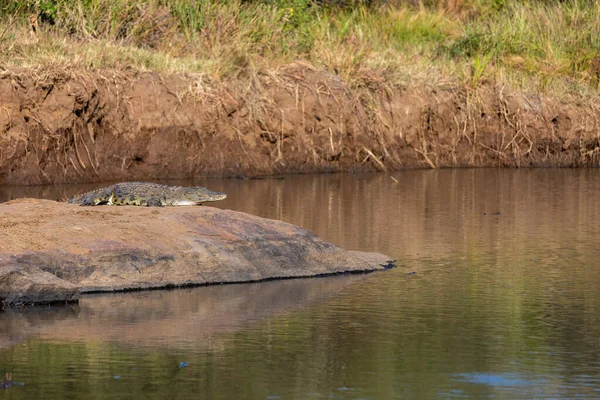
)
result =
(538, 45)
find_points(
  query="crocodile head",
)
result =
(195, 196)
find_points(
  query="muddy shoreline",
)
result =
(76, 127)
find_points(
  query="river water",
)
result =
(496, 295)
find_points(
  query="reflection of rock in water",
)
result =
(17, 324)
(172, 317)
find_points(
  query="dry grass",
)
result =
(535, 46)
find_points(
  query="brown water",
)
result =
(500, 306)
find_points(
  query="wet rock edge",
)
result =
(45, 278)
(68, 293)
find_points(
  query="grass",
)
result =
(543, 46)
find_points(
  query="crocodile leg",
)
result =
(154, 202)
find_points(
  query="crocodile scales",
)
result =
(147, 194)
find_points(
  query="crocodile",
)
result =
(146, 194)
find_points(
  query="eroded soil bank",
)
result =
(107, 125)
(51, 251)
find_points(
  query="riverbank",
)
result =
(153, 91)
(109, 125)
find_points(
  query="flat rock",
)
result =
(52, 251)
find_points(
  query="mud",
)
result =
(58, 127)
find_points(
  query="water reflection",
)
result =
(427, 213)
(173, 318)
(503, 304)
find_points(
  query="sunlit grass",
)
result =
(536, 45)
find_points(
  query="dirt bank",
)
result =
(52, 251)
(106, 125)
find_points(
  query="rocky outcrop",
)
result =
(52, 251)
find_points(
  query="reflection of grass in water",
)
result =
(444, 321)
(88, 370)
(384, 335)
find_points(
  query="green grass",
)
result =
(547, 46)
